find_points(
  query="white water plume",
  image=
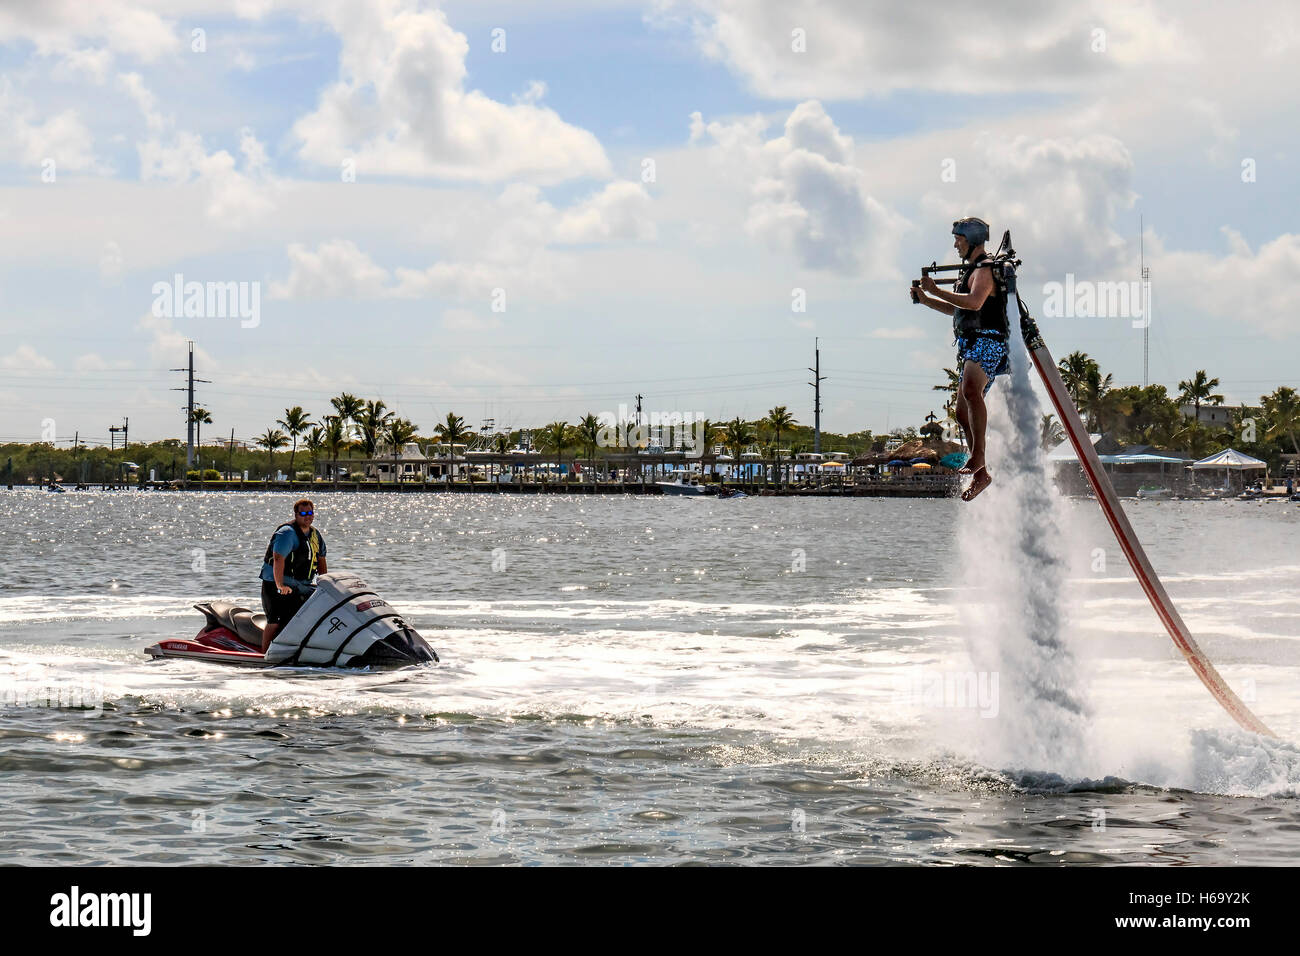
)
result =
(1014, 560)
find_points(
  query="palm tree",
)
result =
(587, 433)
(348, 407)
(777, 419)
(273, 440)
(557, 436)
(1282, 411)
(374, 418)
(1198, 441)
(295, 422)
(951, 386)
(200, 417)
(1111, 407)
(1094, 401)
(398, 432)
(1051, 434)
(1199, 388)
(451, 433)
(314, 442)
(736, 435)
(1075, 369)
(334, 439)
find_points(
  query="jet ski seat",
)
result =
(238, 620)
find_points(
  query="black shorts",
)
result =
(280, 607)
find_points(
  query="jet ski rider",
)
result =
(978, 307)
(294, 557)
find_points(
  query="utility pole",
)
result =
(1146, 305)
(189, 408)
(816, 383)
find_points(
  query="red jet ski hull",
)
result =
(218, 644)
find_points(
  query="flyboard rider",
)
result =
(979, 322)
(294, 557)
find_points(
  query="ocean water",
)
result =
(658, 680)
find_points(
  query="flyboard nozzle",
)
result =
(1005, 245)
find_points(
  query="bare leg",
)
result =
(973, 381)
(963, 419)
(268, 635)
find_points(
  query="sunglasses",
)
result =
(306, 514)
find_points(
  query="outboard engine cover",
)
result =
(345, 624)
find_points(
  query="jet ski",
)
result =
(343, 624)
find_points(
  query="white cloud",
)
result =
(25, 357)
(235, 198)
(336, 270)
(622, 210)
(400, 107)
(807, 196)
(62, 138)
(134, 86)
(513, 251)
(852, 48)
(166, 344)
(92, 62)
(1252, 287)
(1062, 194)
(90, 362)
(62, 26)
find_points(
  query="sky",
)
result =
(530, 212)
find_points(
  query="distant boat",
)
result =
(678, 487)
(726, 493)
(1154, 491)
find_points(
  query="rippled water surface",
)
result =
(656, 680)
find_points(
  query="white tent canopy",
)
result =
(1230, 458)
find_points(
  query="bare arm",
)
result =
(320, 565)
(937, 304)
(277, 571)
(981, 287)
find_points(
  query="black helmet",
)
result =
(975, 231)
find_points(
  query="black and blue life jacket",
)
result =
(991, 319)
(300, 564)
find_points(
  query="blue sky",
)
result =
(522, 171)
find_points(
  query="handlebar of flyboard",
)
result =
(1005, 263)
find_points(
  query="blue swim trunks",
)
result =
(990, 351)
